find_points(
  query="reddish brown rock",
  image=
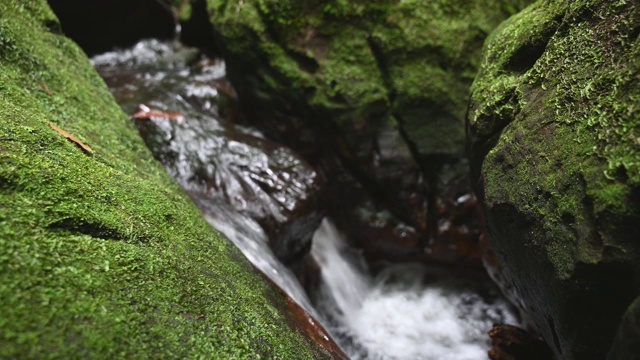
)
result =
(510, 342)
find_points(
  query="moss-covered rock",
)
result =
(554, 129)
(382, 86)
(101, 254)
(358, 62)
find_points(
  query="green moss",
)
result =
(101, 254)
(185, 11)
(587, 125)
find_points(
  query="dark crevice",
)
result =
(429, 166)
(363, 176)
(430, 171)
(554, 333)
(378, 55)
(635, 34)
(481, 141)
(568, 218)
(84, 227)
(477, 151)
(100, 25)
(587, 202)
(526, 56)
(198, 30)
(306, 63)
(54, 27)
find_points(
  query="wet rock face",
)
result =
(253, 175)
(188, 127)
(381, 236)
(100, 25)
(379, 88)
(554, 128)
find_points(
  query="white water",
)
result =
(406, 312)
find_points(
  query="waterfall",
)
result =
(405, 311)
(344, 280)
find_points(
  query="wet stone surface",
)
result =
(183, 110)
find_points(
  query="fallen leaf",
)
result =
(45, 88)
(71, 137)
(143, 112)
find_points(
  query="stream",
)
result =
(247, 187)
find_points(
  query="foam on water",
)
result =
(405, 312)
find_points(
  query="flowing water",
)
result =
(406, 311)
(400, 312)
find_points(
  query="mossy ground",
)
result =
(101, 254)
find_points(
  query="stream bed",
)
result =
(249, 188)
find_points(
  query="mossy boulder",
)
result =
(554, 126)
(101, 253)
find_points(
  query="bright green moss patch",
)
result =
(102, 255)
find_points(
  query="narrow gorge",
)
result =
(407, 180)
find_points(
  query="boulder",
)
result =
(376, 90)
(554, 137)
(102, 255)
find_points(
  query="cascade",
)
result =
(406, 311)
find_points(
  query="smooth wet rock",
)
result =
(253, 175)
(383, 237)
(190, 130)
(102, 255)
(510, 342)
(555, 154)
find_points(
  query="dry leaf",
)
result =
(46, 89)
(143, 112)
(71, 137)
